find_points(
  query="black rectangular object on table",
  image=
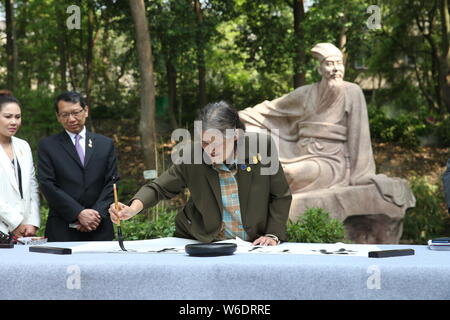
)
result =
(6, 245)
(391, 253)
(52, 250)
(441, 240)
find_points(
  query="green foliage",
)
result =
(127, 187)
(404, 129)
(328, 20)
(240, 80)
(442, 131)
(158, 224)
(262, 23)
(315, 226)
(44, 215)
(38, 116)
(429, 218)
(249, 50)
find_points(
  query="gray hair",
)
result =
(220, 116)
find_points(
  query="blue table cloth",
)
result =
(27, 275)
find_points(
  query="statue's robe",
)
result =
(336, 137)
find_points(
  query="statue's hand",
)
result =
(301, 174)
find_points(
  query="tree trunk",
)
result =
(342, 41)
(62, 50)
(171, 75)
(144, 49)
(299, 57)
(445, 54)
(200, 55)
(433, 83)
(89, 53)
(11, 45)
(21, 33)
(105, 52)
(72, 73)
(435, 75)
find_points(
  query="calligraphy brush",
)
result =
(119, 229)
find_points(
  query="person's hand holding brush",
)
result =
(124, 212)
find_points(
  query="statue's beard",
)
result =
(331, 91)
(334, 83)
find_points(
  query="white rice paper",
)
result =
(176, 245)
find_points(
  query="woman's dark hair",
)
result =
(70, 96)
(221, 116)
(7, 97)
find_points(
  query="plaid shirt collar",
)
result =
(225, 167)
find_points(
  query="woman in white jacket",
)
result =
(19, 197)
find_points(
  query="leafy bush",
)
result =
(442, 131)
(127, 188)
(157, 223)
(315, 226)
(150, 226)
(44, 215)
(404, 129)
(428, 219)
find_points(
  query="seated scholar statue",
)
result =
(326, 153)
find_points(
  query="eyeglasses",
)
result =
(66, 115)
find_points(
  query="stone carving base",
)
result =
(375, 229)
(367, 216)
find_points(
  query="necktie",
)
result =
(232, 219)
(79, 149)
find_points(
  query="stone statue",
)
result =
(326, 152)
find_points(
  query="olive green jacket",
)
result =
(264, 199)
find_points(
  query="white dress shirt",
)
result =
(82, 138)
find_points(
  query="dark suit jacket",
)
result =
(446, 180)
(264, 199)
(70, 187)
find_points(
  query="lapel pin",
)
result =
(243, 167)
(90, 143)
(249, 169)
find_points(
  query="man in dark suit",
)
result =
(246, 197)
(76, 172)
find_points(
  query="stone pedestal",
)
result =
(376, 229)
(354, 206)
